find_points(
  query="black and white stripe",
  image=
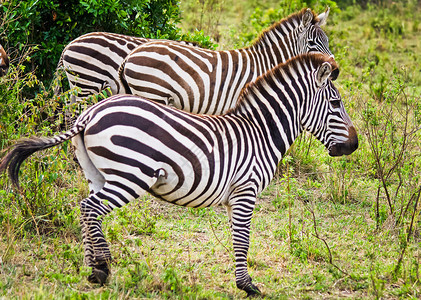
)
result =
(209, 82)
(4, 62)
(128, 146)
(91, 61)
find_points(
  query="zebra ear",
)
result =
(323, 73)
(323, 17)
(307, 18)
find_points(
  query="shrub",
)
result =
(392, 128)
(52, 24)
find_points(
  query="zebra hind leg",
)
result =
(100, 265)
(93, 208)
(96, 183)
(100, 270)
(97, 252)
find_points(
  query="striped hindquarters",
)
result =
(92, 61)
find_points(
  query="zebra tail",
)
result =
(123, 78)
(25, 147)
(57, 81)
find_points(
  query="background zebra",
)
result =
(127, 146)
(209, 82)
(91, 62)
(4, 62)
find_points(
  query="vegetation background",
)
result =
(326, 228)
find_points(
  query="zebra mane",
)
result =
(293, 20)
(284, 70)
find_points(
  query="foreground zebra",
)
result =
(128, 146)
(209, 82)
(4, 62)
(91, 61)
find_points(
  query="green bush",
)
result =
(52, 24)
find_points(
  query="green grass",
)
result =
(186, 255)
(323, 229)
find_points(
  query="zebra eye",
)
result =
(335, 103)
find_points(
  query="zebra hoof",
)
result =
(249, 288)
(99, 274)
(252, 291)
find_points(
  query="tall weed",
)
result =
(393, 131)
(42, 204)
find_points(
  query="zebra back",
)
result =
(210, 82)
(92, 61)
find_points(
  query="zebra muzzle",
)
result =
(347, 147)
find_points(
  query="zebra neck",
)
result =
(275, 46)
(277, 119)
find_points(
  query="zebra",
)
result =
(128, 145)
(209, 82)
(91, 62)
(4, 62)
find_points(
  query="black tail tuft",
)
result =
(18, 153)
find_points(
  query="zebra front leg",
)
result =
(240, 215)
(97, 252)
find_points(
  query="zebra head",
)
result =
(324, 114)
(4, 62)
(310, 35)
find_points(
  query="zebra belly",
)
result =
(182, 196)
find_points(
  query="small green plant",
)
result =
(171, 279)
(203, 16)
(340, 180)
